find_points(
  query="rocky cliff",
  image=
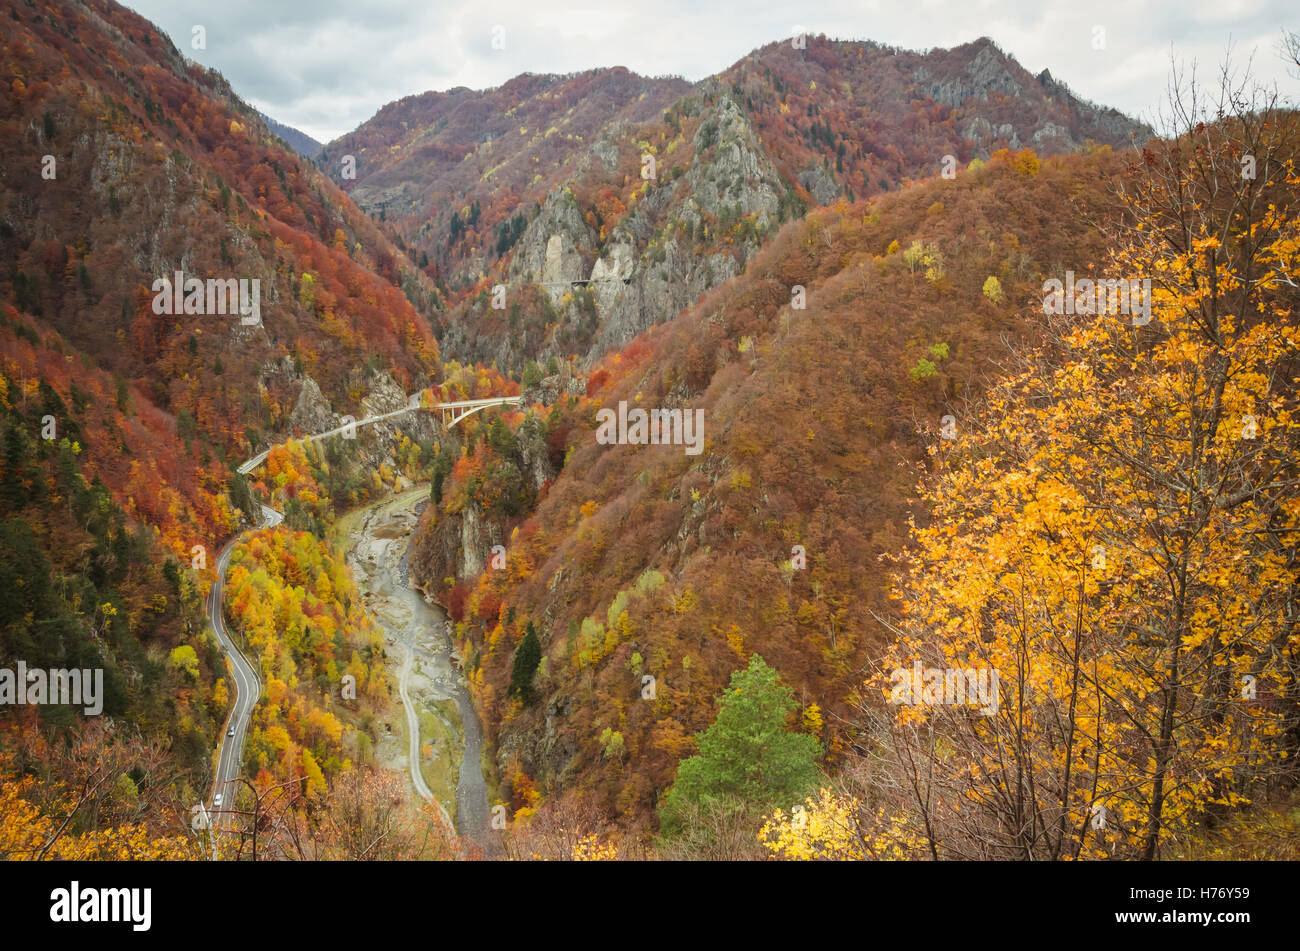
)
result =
(598, 227)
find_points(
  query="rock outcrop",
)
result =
(732, 178)
(556, 246)
(312, 412)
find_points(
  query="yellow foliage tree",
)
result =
(1116, 538)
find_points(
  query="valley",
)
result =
(438, 712)
(607, 443)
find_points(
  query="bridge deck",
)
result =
(459, 410)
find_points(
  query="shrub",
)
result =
(923, 370)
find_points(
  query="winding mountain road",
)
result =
(244, 676)
(246, 682)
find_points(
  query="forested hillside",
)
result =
(857, 453)
(912, 457)
(122, 426)
(646, 560)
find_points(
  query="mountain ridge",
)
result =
(461, 177)
(296, 139)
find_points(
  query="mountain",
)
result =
(123, 416)
(821, 270)
(858, 118)
(157, 167)
(300, 142)
(776, 536)
(477, 185)
(672, 287)
(448, 170)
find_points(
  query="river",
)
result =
(418, 633)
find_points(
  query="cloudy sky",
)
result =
(328, 65)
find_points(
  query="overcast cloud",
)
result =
(326, 66)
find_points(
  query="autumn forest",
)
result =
(857, 454)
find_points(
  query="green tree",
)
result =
(241, 496)
(501, 439)
(442, 464)
(748, 755)
(12, 489)
(123, 393)
(527, 656)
